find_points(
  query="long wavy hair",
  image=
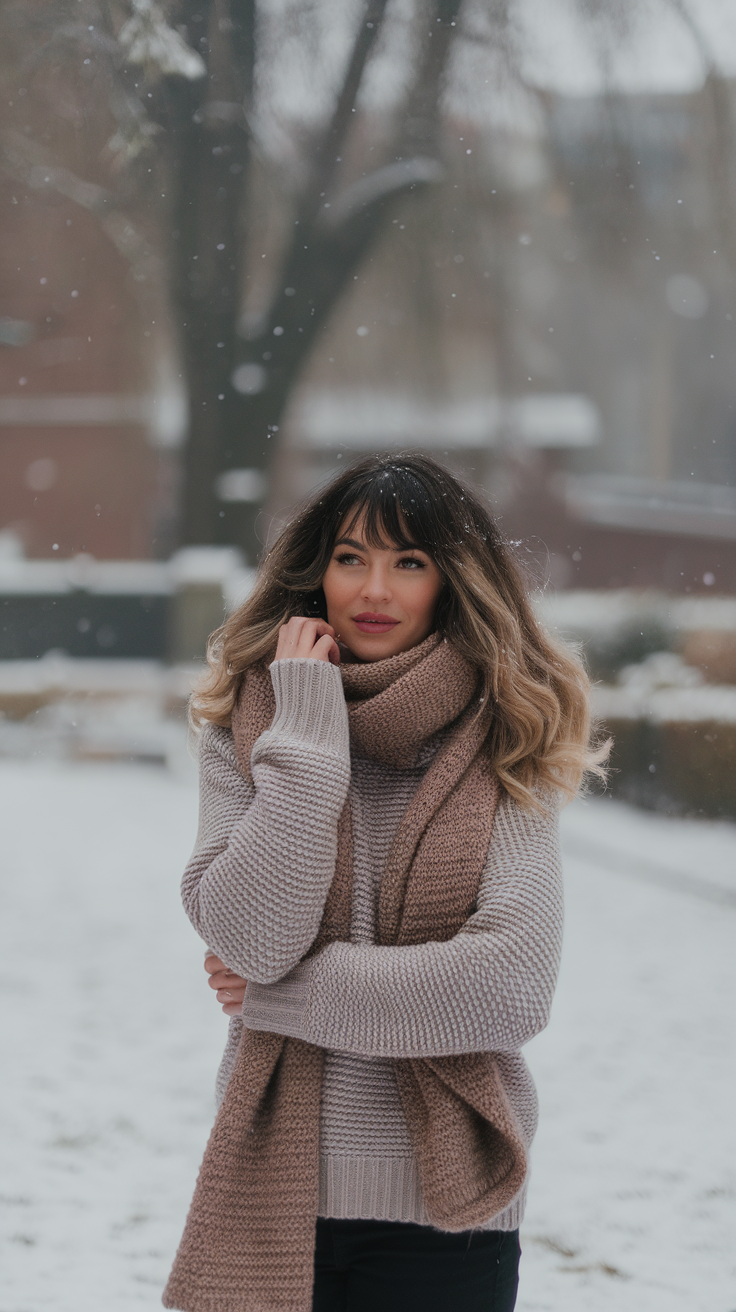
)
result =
(540, 732)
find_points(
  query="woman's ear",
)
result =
(316, 606)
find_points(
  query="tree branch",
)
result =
(243, 38)
(323, 255)
(379, 186)
(324, 167)
(421, 116)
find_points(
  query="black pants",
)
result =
(392, 1266)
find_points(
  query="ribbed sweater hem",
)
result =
(388, 1189)
(310, 705)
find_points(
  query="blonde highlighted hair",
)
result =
(540, 730)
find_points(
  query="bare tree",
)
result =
(180, 84)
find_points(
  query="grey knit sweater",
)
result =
(255, 889)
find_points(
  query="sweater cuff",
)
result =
(310, 703)
(280, 1008)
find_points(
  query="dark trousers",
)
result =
(392, 1266)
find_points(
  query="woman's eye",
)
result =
(411, 562)
(346, 558)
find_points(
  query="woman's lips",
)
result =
(369, 623)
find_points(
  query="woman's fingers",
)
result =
(232, 1008)
(316, 641)
(231, 995)
(226, 979)
(230, 987)
(290, 635)
(326, 649)
(231, 999)
(300, 637)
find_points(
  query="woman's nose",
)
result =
(377, 585)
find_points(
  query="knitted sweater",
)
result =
(255, 889)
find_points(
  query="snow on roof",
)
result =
(583, 612)
(363, 419)
(666, 705)
(37, 577)
(660, 506)
(191, 565)
(68, 675)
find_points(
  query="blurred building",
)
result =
(571, 347)
(556, 322)
(84, 437)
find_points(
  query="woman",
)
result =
(387, 734)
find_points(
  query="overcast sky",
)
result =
(650, 49)
(658, 53)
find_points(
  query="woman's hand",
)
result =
(310, 639)
(230, 987)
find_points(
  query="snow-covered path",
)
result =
(110, 1040)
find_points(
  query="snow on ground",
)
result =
(633, 1197)
(110, 1040)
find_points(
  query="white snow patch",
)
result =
(633, 1194)
(111, 1039)
(665, 705)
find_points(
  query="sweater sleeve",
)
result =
(256, 883)
(488, 989)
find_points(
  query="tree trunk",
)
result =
(331, 239)
(209, 153)
(236, 412)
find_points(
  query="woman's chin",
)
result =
(378, 648)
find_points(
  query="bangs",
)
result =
(396, 510)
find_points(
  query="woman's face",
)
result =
(380, 600)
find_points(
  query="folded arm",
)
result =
(256, 883)
(488, 989)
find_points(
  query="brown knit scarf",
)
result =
(248, 1243)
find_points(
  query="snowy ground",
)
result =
(110, 1042)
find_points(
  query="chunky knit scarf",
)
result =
(249, 1239)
